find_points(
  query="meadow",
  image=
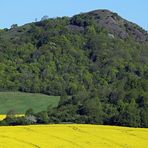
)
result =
(20, 102)
(72, 136)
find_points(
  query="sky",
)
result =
(25, 11)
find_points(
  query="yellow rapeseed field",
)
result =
(4, 116)
(72, 136)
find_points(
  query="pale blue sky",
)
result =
(25, 11)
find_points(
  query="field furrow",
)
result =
(72, 136)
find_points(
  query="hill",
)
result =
(20, 102)
(73, 136)
(97, 58)
(118, 26)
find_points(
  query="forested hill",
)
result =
(97, 58)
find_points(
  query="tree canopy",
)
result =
(101, 79)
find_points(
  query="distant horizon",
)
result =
(23, 12)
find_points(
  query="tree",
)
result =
(144, 116)
(129, 115)
(29, 112)
(93, 109)
(64, 99)
(11, 114)
(14, 26)
(42, 117)
(45, 17)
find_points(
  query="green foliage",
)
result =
(100, 79)
(29, 112)
(144, 116)
(10, 114)
(42, 117)
(129, 114)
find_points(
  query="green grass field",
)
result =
(20, 102)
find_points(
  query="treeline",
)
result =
(105, 77)
(84, 108)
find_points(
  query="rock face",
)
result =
(118, 26)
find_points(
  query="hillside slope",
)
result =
(119, 26)
(97, 58)
(20, 102)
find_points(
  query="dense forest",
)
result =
(97, 62)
